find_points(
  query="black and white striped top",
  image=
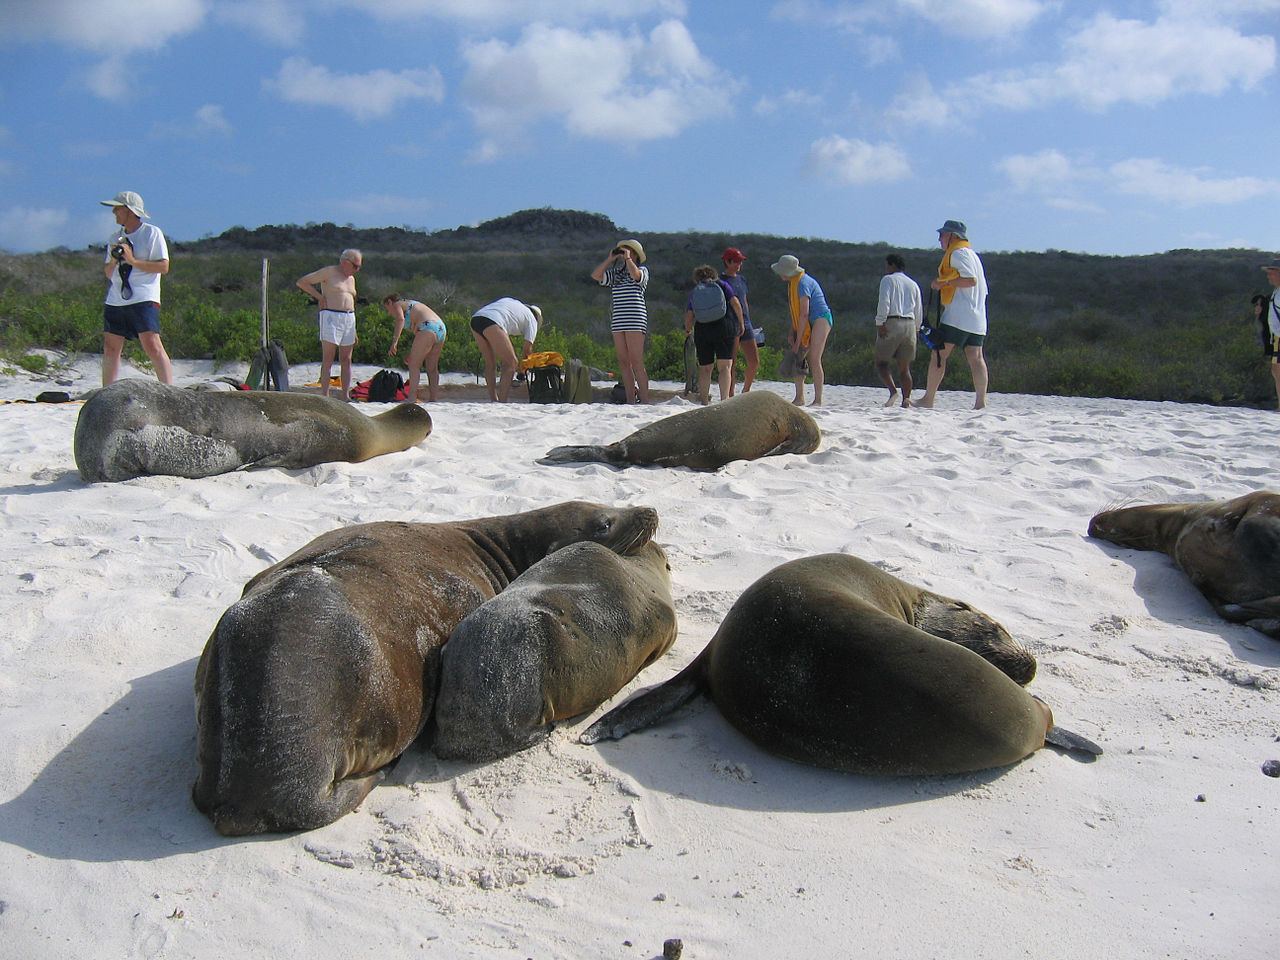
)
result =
(629, 312)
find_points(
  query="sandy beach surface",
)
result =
(1165, 847)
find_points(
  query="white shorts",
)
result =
(338, 327)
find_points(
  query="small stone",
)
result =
(671, 949)
(660, 898)
(1271, 768)
(1200, 798)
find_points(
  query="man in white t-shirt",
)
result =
(963, 287)
(136, 259)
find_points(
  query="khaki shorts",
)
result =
(898, 342)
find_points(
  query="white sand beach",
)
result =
(1164, 847)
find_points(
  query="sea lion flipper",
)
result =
(1071, 742)
(579, 454)
(648, 708)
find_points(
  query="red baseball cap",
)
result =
(733, 254)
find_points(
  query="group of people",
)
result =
(718, 325)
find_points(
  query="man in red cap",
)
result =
(732, 275)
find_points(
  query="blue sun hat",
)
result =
(955, 226)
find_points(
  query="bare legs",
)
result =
(635, 379)
(751, 353)
(327, 352)
(904, 377)
(818, 333)
(426, 348)
(977, 367)
(496, 347)
(113, 347)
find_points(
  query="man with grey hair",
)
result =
(136, 259)
(334, 289)
(962, 286)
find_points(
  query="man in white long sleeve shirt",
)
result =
(898, 316)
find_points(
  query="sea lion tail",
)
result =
(652, 706)
(580, 454)
(1071, 742)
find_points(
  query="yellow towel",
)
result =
(948, 272)
(799, 324)
(548, 358)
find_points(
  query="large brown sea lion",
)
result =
(829, 660)
(137, 427)
(745, 427)
(563, 638)
(326, 668)
(1229, 548)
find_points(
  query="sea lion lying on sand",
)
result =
(745, 427)
(564, 637)
(326, 668)
(829, 660)
(1229, 548)
(136, 428)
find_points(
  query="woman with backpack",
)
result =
(713, 317)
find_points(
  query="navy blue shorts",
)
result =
(131, 319)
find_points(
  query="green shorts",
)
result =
(962, 338)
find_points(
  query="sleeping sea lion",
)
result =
(830, 661)
(326, 668)
(563, 638)
(745, 427)
(138, 427)
(1229, 548)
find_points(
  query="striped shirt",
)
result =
(629, 313)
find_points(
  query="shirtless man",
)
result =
(336, 297)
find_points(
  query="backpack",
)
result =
(579, 383)
(384, 386)
(707, 302)
(546, 384)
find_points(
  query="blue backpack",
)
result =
(707, 302)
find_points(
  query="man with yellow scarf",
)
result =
(963, 288)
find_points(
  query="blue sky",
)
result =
(1103, 127)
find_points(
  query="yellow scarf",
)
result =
(799, 324)
(948, 272)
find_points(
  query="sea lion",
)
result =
(830, 661)
(137, 427)
(1229, 548)
(745, 427)
(326, 668)
(563, 638)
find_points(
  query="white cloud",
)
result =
(276, 21)
(27, 229)
(491, 12)
(984, 18)
(857, 162)
(787, 100)
(1147, 177)
(103, 27)
(1038, 171)
(363, 95)
(1106, 62)
(209, 121)
(601, 84)
(980, 18)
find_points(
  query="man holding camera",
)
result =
(136, 259)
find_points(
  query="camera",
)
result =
(619, 251)
(117, 248)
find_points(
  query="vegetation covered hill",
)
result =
(1172, 326)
